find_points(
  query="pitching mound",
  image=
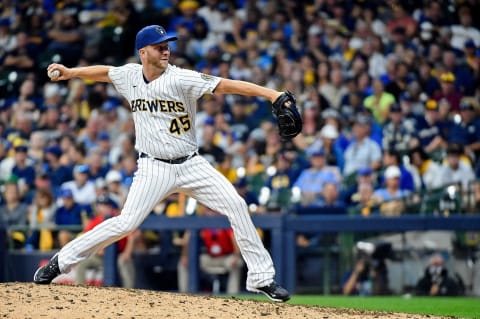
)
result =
(27, 300)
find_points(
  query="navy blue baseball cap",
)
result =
(152, 34)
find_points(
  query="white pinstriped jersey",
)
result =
(163, 109)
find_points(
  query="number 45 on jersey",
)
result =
(180, 125)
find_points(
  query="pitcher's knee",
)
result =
(124, 224)
(240, 204)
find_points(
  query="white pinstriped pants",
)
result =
(155, 180)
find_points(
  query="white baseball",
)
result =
(53, 74)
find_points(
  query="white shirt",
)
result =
(163, 109)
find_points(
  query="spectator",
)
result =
(472, 60)
(464, 30)
(392, 157)
(112, 118)
(455, 169)
(13, 213)
(467, 132)
(82, 188)
(212, 152)
(365, 175)
(330, 198)
(425, 171)
(276, 192)
(312, 180)
(401, 79)
(66, 38)
(328, 142)
(431, 132)
(379, 102)
(369, 275)
(89, 136)
(115, 190)
(391, 195)
(127, 169)
(397, 132)
(448, 91)
(41, 214)
(54, 169)
(36, 150)
(436, 280)
(21, 58)
(97, 165)
(105, 208)
(221, 255)
(363, 200)
(335, 89)
(429, 83)
(401, 18)
(363, 151)
(23, 171)
(242, 187)
(69, 213)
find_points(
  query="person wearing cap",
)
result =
(397, 132)
(363, 151)
(327, 140)
(310, 182)
(69, 213)
(431, 132)
(391, 196)
(456, 168)
(467, 131)
(163, 100)
(350, 189)
(278, 185)
(82, 187)
(449, 91)
(116, 191)
(105, 208)
(393, 157)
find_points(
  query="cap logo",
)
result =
(160, 30)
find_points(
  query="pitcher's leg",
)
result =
(152, 182)
(204, 183)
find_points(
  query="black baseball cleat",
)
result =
(44, 275)
(274, 292)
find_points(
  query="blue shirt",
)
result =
(27, 174)
(312, 181)
(72, 216)
(386, 196)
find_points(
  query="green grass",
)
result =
(439, 306)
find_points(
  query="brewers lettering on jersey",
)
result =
(163, 101)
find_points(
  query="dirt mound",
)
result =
(27, 300)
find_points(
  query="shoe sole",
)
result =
(268, 296)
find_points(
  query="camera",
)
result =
(375, 253)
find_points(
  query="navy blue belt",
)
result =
(179, 160)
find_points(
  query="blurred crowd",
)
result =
(388, 91)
